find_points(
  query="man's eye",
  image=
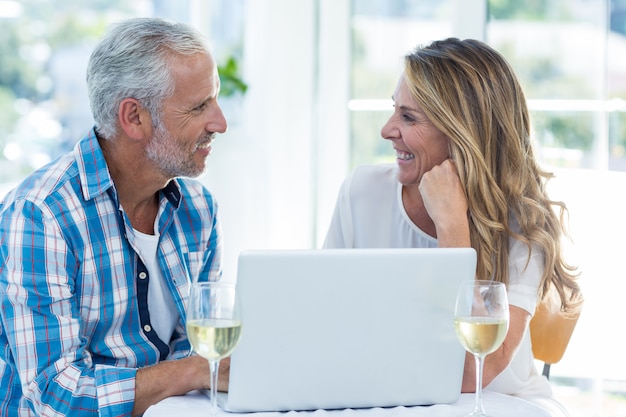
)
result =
(200, 107)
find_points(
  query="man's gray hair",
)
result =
(132, 61)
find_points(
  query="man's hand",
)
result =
(171, 378)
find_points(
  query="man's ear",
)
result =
(134, 119)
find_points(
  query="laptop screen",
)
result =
(348, 328)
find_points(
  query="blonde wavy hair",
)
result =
(470, 93)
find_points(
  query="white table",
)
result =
(196, 404)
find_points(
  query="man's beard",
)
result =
(172, 159)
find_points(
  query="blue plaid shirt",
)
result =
(74, 309)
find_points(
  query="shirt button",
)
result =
(147, 328)
(142, 275)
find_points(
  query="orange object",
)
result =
(550, 333)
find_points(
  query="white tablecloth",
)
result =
(196, 404)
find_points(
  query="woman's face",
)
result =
(419, 145)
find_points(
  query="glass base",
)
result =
(477, 414)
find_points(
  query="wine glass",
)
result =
(213, 325)
(481, 320)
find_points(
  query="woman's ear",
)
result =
(134, 119)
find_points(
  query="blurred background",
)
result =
(306, 88)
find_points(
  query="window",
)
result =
(43, 100)
(382, 33)
(567, 60)
(569, 64)
(45, 47)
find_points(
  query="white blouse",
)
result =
(369, 213)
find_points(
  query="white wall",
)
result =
(261, 169)
(597, 202)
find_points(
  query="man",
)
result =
(98, 249)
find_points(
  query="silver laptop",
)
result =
(347, 328)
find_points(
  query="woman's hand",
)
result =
(446, 204)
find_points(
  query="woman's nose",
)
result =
(387, 131)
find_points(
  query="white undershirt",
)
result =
(163, 312)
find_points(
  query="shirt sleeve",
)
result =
(525, 272)
(340, 233)
(42, 323)
(212, 255)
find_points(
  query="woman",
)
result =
(465, 175)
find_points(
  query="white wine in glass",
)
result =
(481, 320)
(214, 325)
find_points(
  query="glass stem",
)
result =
(478, 404)
(214, 365)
